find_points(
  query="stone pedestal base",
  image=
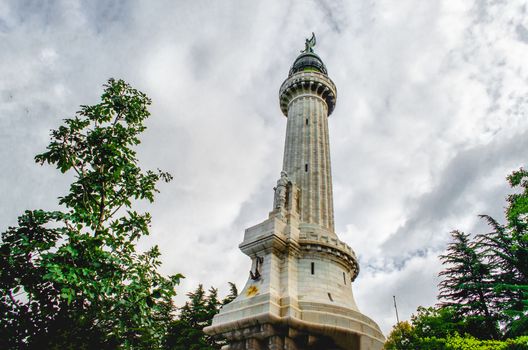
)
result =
(299, 292)
(267, 331)
(270, 337)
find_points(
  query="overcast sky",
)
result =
(431, 116)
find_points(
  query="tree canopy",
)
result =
(186, 332)
(484, 288)
(74, 278)
(467, 286)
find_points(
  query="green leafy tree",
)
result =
(507, 249)
(402, 337)
(437, 322)
(440, 329)
(73, 279)
(484, 285)
(429, 329)
(458, 342)
(466, 286)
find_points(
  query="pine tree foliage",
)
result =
(233, 293)
(467, 285)
(506, 247)
(486, 279)
(197, 313)
(484, 287)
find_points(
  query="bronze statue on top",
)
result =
(309, 44)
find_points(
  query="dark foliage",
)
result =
(484, 291)
(467, 286)
(73, 279)
(186, 333)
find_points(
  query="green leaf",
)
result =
(85, 285)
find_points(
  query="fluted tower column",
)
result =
(307, 98)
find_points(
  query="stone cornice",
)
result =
(322, 244)
(312, 83)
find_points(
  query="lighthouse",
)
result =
(299, 289)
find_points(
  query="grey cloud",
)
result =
(466, 172)
(522, 33)
(213, 70)
(413, 285)
(334, 11)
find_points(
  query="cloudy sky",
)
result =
(431, 116)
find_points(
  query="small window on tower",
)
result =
(306, 121)
(344, 278)
(330, 297)
(313, 268)
(306, 167)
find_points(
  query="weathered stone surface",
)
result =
(299, 292)
(307, 148)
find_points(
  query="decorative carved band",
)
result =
(318, 243)
(313, 83)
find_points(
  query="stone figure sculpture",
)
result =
(281, 190)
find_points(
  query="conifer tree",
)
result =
(186, 333)
(506, 247)
(466, 285)
(233, 293)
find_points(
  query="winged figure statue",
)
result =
(309, 44)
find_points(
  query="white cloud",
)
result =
(413, 284)
(430, 118)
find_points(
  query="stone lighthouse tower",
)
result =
(299, 291)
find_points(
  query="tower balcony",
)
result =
(305, 83)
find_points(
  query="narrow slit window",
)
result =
(344, 278)
(306, 167)
(330, 297)
(313, 268)
(306, 121)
